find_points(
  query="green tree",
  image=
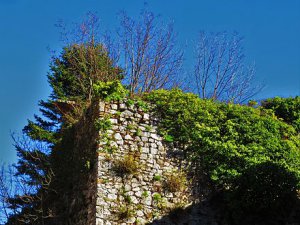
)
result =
(72, 77)
(78, 68)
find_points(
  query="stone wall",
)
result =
(76, 160)
(139, 179)
(118, 169)
(83, 201)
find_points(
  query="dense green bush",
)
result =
(110, 90)
(241, 148)
(264, 186)
(287, 109)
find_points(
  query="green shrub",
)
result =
(142, 104)
(287, 109)
(148, 128)
(138, 132)
(157, 177)
(127, 199)
(266, 191)
(130, 102)
(109, 149)
(145, 194)
(168, 138)
(175, 181)
(131, 127)
(124, 212)
(110, 91)
(264, 187)
(252, 103)
(126, 166)
(227, 140)
(103, 124)
(160, 203)
(157, 197)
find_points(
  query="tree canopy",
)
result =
(78, 68)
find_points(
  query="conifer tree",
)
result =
(71, 77)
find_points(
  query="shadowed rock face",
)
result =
(214, 211)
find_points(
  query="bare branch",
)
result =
(150, 57)
(219, 69)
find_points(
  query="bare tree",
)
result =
(7, 190)
(219, 69)
(150, 57)
(86, 31)
(10, 187)
(145, 48)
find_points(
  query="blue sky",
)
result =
(271, 29)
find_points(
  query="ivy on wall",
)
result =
(248, 153)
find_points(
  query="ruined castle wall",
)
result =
(123, 171)
(139, 180)
(77, 172)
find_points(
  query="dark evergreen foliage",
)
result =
(79, 67)
(72, 77)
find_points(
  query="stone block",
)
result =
(114, 106)
(113, 121)
(118, 136)
(101, 106)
